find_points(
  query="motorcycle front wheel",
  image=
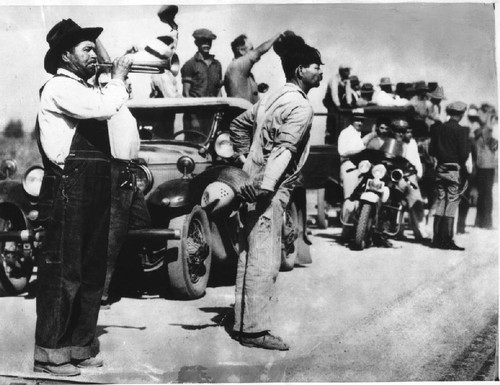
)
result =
(362, 238)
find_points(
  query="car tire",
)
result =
(289, 250)
(15, 268)
(188, 271)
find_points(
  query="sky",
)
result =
(450, 43)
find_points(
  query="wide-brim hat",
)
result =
(367, 88)
(421, 86)
(64, 35)
(438, 93)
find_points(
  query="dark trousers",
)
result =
(74, 208)
(128, 212)
(484, 179)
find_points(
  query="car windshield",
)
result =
(169, 124)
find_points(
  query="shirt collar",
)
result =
(295, 87)
(65, 72)
(198, 56)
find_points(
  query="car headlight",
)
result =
(396, 175)
(185, 165)
(379, 171)
(364, 166)
(144, 179)
(223, 146)
(32, 181)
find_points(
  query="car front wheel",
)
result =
(189, 270)
(15, 266)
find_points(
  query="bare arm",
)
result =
(266, 46)
(186, 87)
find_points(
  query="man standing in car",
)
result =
(238, 80)
(74, 197)
(201, 77)
(274, 137)
(450, 145)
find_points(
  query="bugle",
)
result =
(156, 67)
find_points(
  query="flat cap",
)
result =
(456, 107)
(399, 125)
(204, 33)
(358, 115)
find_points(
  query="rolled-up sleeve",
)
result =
(187, 72)
(74, 99)
(241, 131)
(296, 124)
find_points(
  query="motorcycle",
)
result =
(378, 202)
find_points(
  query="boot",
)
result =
(449, 244)
(437, 238)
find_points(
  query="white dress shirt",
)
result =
(65, 101)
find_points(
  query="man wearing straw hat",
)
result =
(74, 197)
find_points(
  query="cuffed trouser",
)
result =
(128, 212)
(74, 208)
(258, 265)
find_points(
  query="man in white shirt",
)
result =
(74, 199)
(385, 96)
(350, 143)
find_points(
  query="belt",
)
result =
(127, 162)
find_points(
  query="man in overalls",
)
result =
(274, 137)
(74, 197)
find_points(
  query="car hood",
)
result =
(168, 152)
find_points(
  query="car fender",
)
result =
(370, 196)
(12, 192)
(173, 193)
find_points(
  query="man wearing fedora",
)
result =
(385, 95)
(450, 146)
(74, 197)
(366, 95)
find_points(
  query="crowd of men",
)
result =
(453, 149)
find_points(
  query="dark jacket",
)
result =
(450, 142)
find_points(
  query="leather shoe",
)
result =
(267, 341)
(452, 246)
(91, 362)
(62, 370)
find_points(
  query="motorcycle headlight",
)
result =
(379, 171)
(32, 181)
(364, 166)
(144, 179)
(396, 175)
(223, 146)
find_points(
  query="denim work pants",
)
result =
(74, 204)
(258, 264)
(128, 212)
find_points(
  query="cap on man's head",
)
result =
(399, 124)
(456, 108)
(354, 80)
(385, 81)
(438, 93)
(64, 35)
(359, 116)
(204, 33)
(344, 67)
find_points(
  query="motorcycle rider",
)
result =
(350, 143)
(413, 195)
